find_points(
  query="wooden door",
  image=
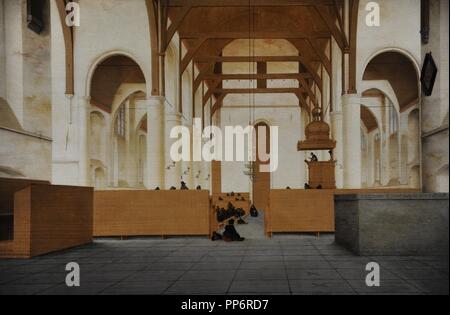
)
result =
(261, 182)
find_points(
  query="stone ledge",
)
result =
(394, 196)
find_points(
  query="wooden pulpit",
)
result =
(322, 174)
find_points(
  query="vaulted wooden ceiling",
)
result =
(205, 27)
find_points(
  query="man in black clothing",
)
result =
(230, 234)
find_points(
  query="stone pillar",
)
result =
(84, 105)
(155, 143)
(336, 122)
(172, 175)
(351, 107)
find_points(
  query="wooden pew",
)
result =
(216, 202)
(151, 213)
(8, 187)
(49, 218)
(309, 211)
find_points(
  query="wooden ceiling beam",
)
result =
(330, 21)
(260, 91)
(322, 56)
(69, 47)
(308, 90)
(253, 3)
(255, 35)
(269, 76)
(177, 21)
(236, 59)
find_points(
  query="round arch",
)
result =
(105, 56)
(378, 68)
(403, 52)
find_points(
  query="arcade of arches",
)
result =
(95, 105)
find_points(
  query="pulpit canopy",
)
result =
(317, 134)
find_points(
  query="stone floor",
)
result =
(282, 265)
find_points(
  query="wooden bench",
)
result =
(151, 213)
(48, 218)
(309, 211)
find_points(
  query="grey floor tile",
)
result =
(263, 274)
(260, 286)
(31, 289)
(171, 266)
(155, 275)
(309, 265)
(361, 274)
(99, 277)
(304, 258)
(344, 264)
(320, 287)
(133, 288)
(195, 287)
(261, 265)
(386, 286)
(84, 289)
(205, 275)
(314, 274)
(216, 266)
(432, 287)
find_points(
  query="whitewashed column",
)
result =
(336, 122)
(351, 106)
(155, 143)
(84, 105)
(172, 175)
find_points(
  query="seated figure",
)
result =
(183, 186)
(230, 234)
(314, 158)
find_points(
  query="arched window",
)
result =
(121, 122)
(393, 120)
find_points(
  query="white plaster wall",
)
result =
(13, 54)
(2, 51)
(29, 155)
(111, 26)
(435, 107)
(399, 30)
(64, 109)
(107, 27)
(291, 167)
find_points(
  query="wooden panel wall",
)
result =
(9, 186)
(216, 178)
(48, 219)
(147, 213)
(300, 211)
(309, 210)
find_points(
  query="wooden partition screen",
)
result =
(48, 219)
(304, 211)
(293, 211)
(151, 213)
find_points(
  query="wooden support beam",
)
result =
(311, 95)
(330, 21)
(218, 104)
(268, 76)
(216, 59)
(154, 42)
(260, 91)
(322, 56)
(68, 43)
(177, 21)
(236, 59)
(191, 53)
(354, 8)
(253, 3)
(210, 91)
(256, 35)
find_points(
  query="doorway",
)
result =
(261, 181)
